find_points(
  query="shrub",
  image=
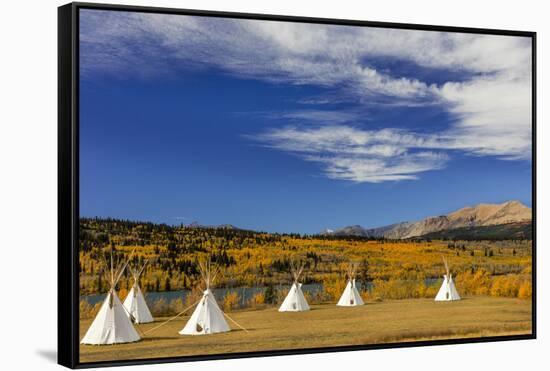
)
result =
(281, 295)
(270, 295)
(334, 287)
(122, 293)
(482, 283)
(258, 300)
(193, 296)
(399, 289)
(477, 283)
(86, 310)
(178, 305)
(525, 290)
(161, 308)
(230, 301)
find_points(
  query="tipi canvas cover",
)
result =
(136, 307)
(350, 297)
(295, 300)
(111, 325)
(135, 304)
(447, 292)
(207, 318)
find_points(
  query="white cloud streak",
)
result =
(348, 153)
(491, 108)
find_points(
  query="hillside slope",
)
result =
(509, 231)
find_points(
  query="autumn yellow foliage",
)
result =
(393, 269)
(230, 301)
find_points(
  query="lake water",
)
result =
(245, 293)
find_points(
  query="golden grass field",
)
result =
(327, 325)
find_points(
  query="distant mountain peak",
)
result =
(481, 215)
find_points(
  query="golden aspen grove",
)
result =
(389, 269)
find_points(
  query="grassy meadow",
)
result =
(327, 325)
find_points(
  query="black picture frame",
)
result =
(68, 182)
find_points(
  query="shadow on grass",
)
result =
(156, 338)
(371, 303)
(178, 336)
(247, 330)
(452, 301)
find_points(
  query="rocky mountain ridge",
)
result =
(472, 216)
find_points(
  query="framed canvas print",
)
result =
(237, 185)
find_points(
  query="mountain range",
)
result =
(512, 213)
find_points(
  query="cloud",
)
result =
(376, 170)
(490, 105)
(493, 116)
(348, 153)
(280, 52)
(318, 116)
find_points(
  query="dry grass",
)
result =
(328, 325)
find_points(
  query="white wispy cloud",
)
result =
(376, 170)
(349, 153)
(317, 116)
(491, 107)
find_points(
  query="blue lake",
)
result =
(245, 293)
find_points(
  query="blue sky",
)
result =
(297, 127)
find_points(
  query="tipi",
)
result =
(111, 325)
(295, 301)
(350, 297)
(447, 292)
(207, 318)
(136, 307)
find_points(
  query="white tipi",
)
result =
(350, 297)
(136, 307)
(111, 325)
(447, 292)
(207, 318)
(295, 300)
